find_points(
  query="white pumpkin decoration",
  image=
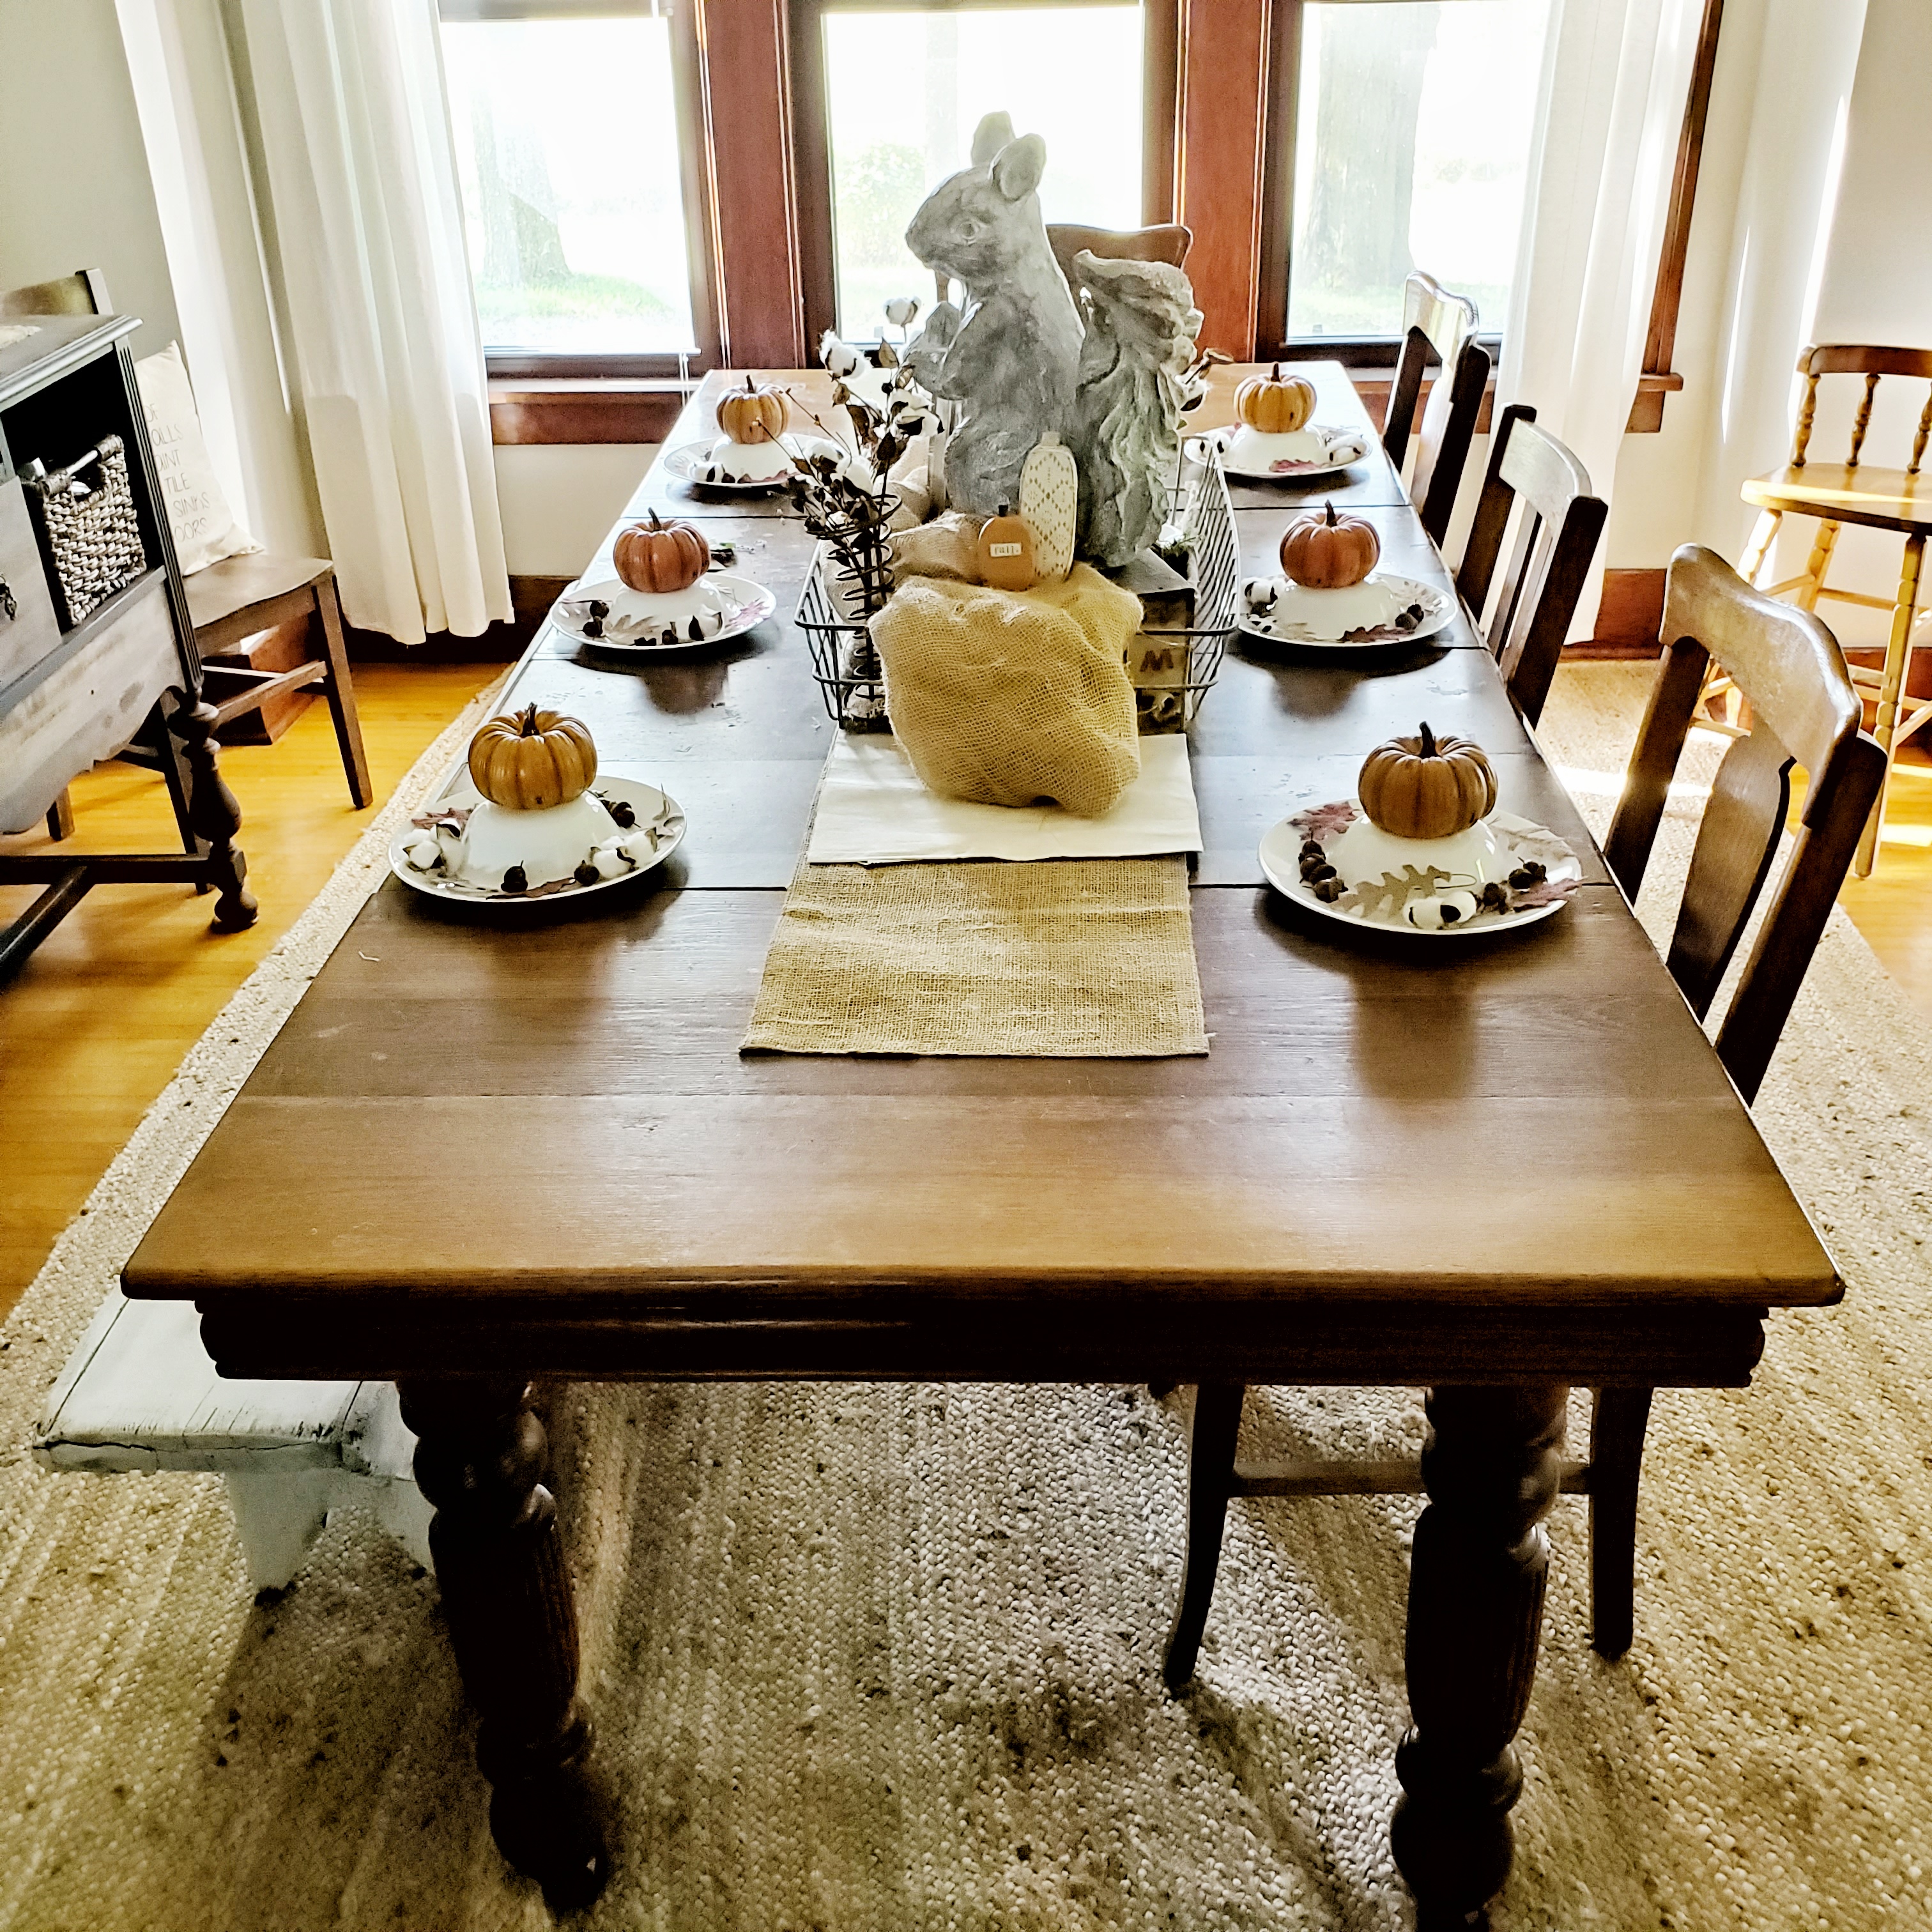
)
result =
(1050, 504)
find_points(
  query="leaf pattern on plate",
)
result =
(1384, 899)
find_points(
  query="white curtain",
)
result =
(367, 226)
(1615, 73)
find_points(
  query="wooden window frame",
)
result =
(812, 148)
(1277, 200)
(536, 372)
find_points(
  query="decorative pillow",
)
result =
(204, 526)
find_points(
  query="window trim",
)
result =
(811, 146)
(1272, 341)
(513, 362)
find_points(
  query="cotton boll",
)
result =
(423, 850)
(1259, 593)
(610, 859)
(840, 358)
(1451, 908)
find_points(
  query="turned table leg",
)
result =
(1491, 1464)
(513, 1625)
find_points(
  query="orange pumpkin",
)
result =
(1275, 403)
(754, 414)
(659, 557)
(528, 760)
(1427, 787)
(1003, 551)
(1330, 552)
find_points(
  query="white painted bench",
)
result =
(140, 1393)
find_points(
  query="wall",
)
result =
(74, 193)
(558, 500)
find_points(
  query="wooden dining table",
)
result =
(1495, 1169)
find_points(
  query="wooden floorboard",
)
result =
(95, 1025)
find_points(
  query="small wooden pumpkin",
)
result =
(529, 760)
(659, 557)
(1330, 552)
(1275, 404)
(1004, 552)
(1427, 787)
(756, 413)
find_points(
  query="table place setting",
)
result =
(1273, 440)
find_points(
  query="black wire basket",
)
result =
(1184, 662)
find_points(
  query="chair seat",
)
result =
(1884, 499)
(236, 582)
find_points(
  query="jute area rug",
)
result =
(887, 1657)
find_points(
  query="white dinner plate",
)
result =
(652, 806)
(628, 634)
(688, 461)
(1330, 619)
(1346, 446)
(1281, 861)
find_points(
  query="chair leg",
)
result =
(341, 691)
(1617, 1425)
(1891, 689)
(1211, 1481)
(1762, 537)
(60, 816)
(1816, 565)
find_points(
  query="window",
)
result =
(893, 95)
(567, 130)
(1408, 126)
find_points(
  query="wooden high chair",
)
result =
(1838, 493)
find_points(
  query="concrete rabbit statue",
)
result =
(1008, 358)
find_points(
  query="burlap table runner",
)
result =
(1084, 958)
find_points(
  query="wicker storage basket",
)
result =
(90, 536)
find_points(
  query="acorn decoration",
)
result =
(1330, 552)
(1275, 404)
(529, 760)
(659, 557)
(1427, 787)
(756, 413)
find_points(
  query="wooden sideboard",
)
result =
(124, 680)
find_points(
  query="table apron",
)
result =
(1675, 1346)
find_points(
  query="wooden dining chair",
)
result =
(1854, 492)
(1804, 711)
(1534, 478)
(1167, 241)
(1435, 323)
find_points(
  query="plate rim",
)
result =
(620, 645)
(1244, 622)
(681, 453)
(1296, 893)
(1207, 436)
(441, 888)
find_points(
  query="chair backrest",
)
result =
(1168, 242)
(1557, 531)
(1436, 323)
(83, 292)
(1804, 711)
(1871, 361)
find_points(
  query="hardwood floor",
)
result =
(93, 1026)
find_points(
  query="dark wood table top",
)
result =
(533, 1142)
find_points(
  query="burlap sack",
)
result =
(943, 548)
(1007, 698)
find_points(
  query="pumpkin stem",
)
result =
(655, 524)
(1331, 516)
(1277, 376)
(1428, 743)
(527, 723)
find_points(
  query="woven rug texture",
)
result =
(868, 1659)
(984, 958)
